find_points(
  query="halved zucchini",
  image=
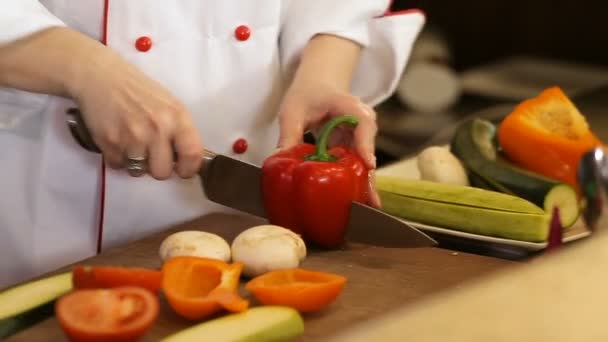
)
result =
(262, 323)
(25, 305)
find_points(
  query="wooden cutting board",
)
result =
(380, 280)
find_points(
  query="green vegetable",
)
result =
(463, 208)
(27, 304)
(262, 323)
(475, 145)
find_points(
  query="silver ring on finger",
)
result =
(137, 166)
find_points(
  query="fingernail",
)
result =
(367, 109)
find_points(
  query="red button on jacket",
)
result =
(242, 33)
(239, 146)
(143, 44)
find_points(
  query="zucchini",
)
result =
(463, 208)
(474, 143)
(262, 323)
(25, 305)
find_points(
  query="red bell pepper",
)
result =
(309, 189)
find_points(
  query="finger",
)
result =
(160, 162)
(114, 160)
(374, 198)
(109, 142)
(136, 137)
(292, 124)
(365, 137)
(365, 132)
(189, 147)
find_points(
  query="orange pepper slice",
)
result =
(547, 135)
(303, 290)
(198, 287)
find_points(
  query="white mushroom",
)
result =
(267, 247)
(195, 243)
(438, 164)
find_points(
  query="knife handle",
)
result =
(81, 134)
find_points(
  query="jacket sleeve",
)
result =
(20, 18)
(387, 39)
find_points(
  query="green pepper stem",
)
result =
(321, 153)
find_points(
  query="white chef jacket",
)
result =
(228, 61)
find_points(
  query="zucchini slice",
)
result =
(25, 305)
(474, 143)
(262, 323)
(507, 224)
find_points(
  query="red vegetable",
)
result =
(117, 314)
(309, 189)
(85, 277)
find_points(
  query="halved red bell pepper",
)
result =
(309, 189)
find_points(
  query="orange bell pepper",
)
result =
(303, 290)
(547, 135)
(198, 287)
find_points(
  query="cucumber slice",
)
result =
(456, 194)
(27, 304)
(522, 226)
(262, 323)
(475, 145)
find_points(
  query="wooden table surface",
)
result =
(380, 280)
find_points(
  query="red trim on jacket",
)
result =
(102, 197)
(389, 12)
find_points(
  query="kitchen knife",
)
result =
(236, 184)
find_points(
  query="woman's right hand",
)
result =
(130, 115)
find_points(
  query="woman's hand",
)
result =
(320, 91)
(128, 114)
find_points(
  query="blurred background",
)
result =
(475, 54)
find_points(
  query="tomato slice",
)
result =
(301, 289)
(92, 277)
(116, 314)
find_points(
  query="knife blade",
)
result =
(236, 184)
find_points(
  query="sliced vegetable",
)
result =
(463, 208)
(93, 277)
(309, 189)
(547, 135)
(195, 243)
(267, 247)
(27, 304)
(556, 231)
(198, 287)
(438, 164)
(303, 290)
(474, 145)
(116, 314)
(264, 323)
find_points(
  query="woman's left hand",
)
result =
(308, 105)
